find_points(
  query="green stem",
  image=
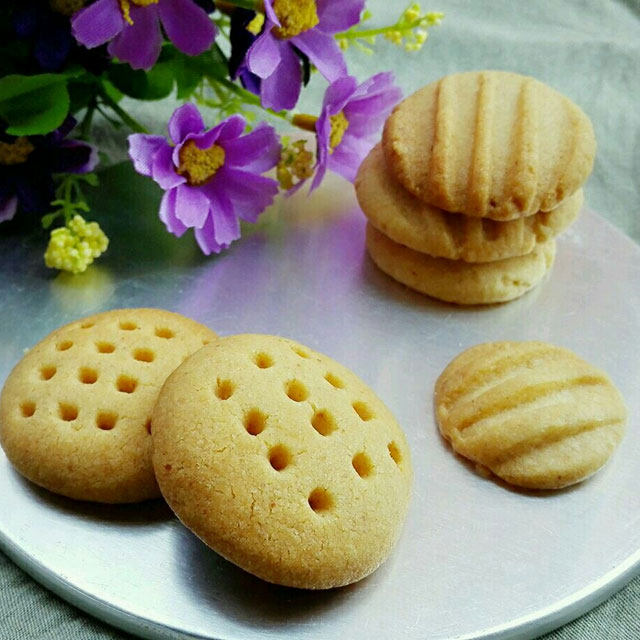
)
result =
(85, 125)
(253, 5)
(368, 33)
(132, 123)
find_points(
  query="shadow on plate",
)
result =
(248, 601)
(145, 513)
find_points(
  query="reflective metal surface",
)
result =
(476, 559)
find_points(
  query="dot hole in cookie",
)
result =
(323, 422)
(144, 355)
(67, 411)
(105, 347)
(279, 457)
(224, 389)
(363, 411)
(27, 408)
(87, 324)
(255, 421)
(127, 325)
(362, 464)
(64, 345)
(320, 500)
(47, 372)
(303, 353)
(334, 381)
(86, 375)
(205, 342)
(263, 360)
(106, 420)
(164, 332)
(296, 391)
(147, 425)
(394, 452)
(126, 384)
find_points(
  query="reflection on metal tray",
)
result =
(476, 558)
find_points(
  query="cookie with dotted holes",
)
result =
(407, 220)
(534, 414)
(74, 412)
(458, 281)
(491, 144)
(282, 461)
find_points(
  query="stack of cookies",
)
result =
(475, 176)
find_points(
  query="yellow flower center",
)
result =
(125, 7)
(295, 17)
(66, 7)
(255, 26)
(15, 152)
(199, 165)
(339, 124)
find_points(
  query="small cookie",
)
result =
(536, 415)
(282, 460)
(74, 412)
(491, 144)
(407, 220)
(457, 281)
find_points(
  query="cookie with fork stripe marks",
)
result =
(536, 415)
(409, 221)
(490, 144)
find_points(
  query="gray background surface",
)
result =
(590, 51)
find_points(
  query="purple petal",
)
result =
(258, 151)
(98, 23)
(250, 194)
(139, 44)
(230, 128)
(281, 89)
(192, 206)
(8, 208)
(163, 171)
(75, 156)
(348, 155)
(323, 51)
(187, 25)
(338, 16)
(263, 56)
(206, 238)
(142, 148)
(226, 226)
(185, 119)
(271, 14)
(338, 94)
(167, 214)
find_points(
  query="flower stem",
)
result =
(132, 123)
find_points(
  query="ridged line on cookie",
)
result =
(526, 395)
(479, 179)
(488, 374)
(442, 157)
(549, 436)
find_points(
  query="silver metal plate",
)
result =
(476, 559)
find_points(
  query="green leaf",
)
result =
(33, 105)
(150, 85)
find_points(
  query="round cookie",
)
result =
(536, 415)
(74, 412)
(407, 220)
(458, 281)
(282, 460)
(491, 144)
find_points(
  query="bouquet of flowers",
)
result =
(66, 61)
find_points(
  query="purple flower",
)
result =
(211, 178)
(133, 28)
(299, 26)
(350, 123)
(27, 165)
